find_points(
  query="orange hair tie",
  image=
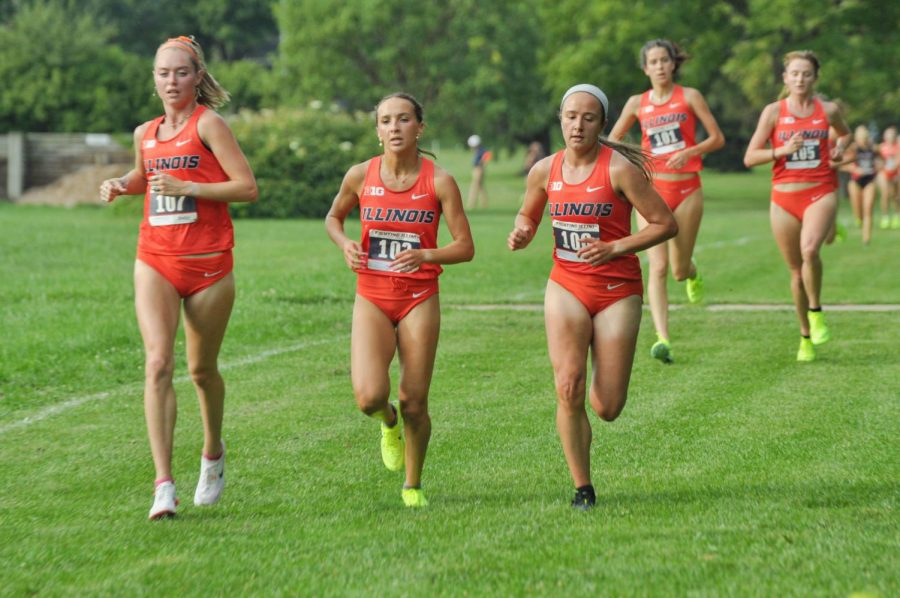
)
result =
(182, 42)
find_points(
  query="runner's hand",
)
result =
(596, 252)
(354, 255)
(519, 238)
(408, 261)
(111, 189)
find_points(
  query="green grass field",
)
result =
(735, 471)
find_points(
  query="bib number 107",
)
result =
(166, 210)
(169, 204)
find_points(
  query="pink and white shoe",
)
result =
(212, 480)
(164, 501)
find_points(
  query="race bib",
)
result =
(166, 210)
(385, 245)
(805, 157)
(570, 236)
(665, 139)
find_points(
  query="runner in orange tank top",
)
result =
(401, 197)
(189, 167)
(667, 114)
(804, 202)
(887, 179)
(593, 298)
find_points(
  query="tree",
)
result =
(600, 43)
(62, 74)
(471, 63)
(855, 41)
(227, 30)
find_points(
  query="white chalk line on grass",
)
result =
(131, 387)
(718, 307)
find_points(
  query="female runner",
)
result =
(189, 167)
(593, 298)
(668, 114)
(803, 202)
(401, 197)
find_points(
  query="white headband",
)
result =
(591, 89)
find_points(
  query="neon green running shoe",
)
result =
(806, 352)
(694, 286)
(840, 232)
(662, 350)
(393, 446)
(884, 223)
(414, 498)
(818, 330)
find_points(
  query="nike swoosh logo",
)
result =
(674, 104)
(592, 189)
(817, 121)
(610, 287)
(683, 191)
(182, 142)
(420, 196)
(419, 294)
(211, 274)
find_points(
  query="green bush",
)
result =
(250, 83)
(299, 158)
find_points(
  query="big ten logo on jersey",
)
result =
(384, 246)
(555, 186)
(373, 190)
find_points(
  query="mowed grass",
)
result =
(735, 471)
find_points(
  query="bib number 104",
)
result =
(572, 240)
(569, 237)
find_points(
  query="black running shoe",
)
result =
(584, 498)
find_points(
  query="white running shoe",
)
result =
(164, 501)
(212, 480)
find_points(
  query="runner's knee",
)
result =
(414, 410)
(570, 389)
(159, 368)
(203, 375)
(370, 399)
(607, 405)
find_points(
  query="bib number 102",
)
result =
(389, 249)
